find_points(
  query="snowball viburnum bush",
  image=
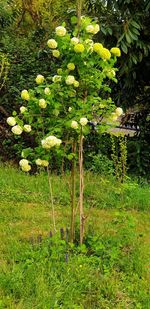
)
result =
(70, 96)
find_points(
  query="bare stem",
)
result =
(79, 10)
(82, 218)
(51, 199)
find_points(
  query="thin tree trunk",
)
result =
(73, 193)
(81, 188)
(51, 199)
(79, 10)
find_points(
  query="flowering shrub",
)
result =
(61, 104)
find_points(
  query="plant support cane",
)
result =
(81, 187)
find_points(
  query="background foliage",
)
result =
(26, 25)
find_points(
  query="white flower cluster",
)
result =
(16, 129)
(83, 122)
(39, 79)
(118, 112)
(40, 162)
(93, 29)
(50, 142)
(25, 166)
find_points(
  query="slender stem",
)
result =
(51, 198)
(81, 188)
(79, 10)
(73, 193)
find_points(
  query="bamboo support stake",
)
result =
(81, 188)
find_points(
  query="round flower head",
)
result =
(60, 31)
(42, 103)
(17, 130)
(114, 117)
(52, 43)
(74, 40)
(79, 48)
(76, 84)
(74, 124)
(39, 79)
(50, 142)
(119, 111)
(56, 53)
(25, 95)
(90, 29)
(56, 78)
(11, 121)
(96, 28)
(27, 128)
(69, 109)
(58, 142)
(26, 168)
(105, 54)
(23, 162)
(47, 91)
(45, 163)
(116, 51)
(70, 80)
(111, 73)
(59, 71)
(83, 122)
(38, 162)
(71, 66)
(23, 109)
(97, 47)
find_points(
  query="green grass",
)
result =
(111, 270)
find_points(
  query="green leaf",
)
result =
(135, 24)
(128, 38)
(124, 47)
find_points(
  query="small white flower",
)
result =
(56, 78)
(60, 31)
(83, 122)
(70, 80)
(27, 128)
(17, 130)
(76, 84)
(90, 29)
(74, 124)
(50, 142)
(47, 90)
(96, 28)
(71, 66)
(39, 79)
(45, 163)
(52, 43)
(38, 162)
(42, 103)
(11, 121)
(25, 95)
(119, 111)
(23, 162)
(114, 117)
(26, 168)
(69, 109)
(74, 40)
(56, 53)
(23, 109)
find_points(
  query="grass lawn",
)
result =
(112, 268)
